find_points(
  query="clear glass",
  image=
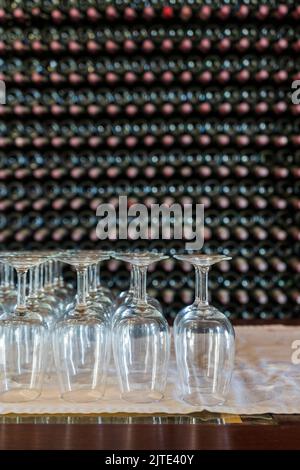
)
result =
(8, 295)
(96, 297)
(125, 294)
(23, 341)
(141, 339)
(122, 301)
(81, 341)
(47, 286)
(204, 342)
(101, 289)
(126, 297)
(64, 291)
(36, 305)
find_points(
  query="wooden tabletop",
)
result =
(149, 436)
(208, 433)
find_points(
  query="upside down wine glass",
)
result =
(23, 340)
(8, 297)
(34, 304)
(141, 339)
(204, 342)
(125, 294)
(81, 340)
(96, 296)
(129, 296)
(97, 293)
(103, 290)
(62, 290)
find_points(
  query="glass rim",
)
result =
(81, 260)
(140, 258)
(198, 259)
(22, 260)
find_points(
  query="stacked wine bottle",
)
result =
(186, 102)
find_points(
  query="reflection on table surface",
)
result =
(120, 418)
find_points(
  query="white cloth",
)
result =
(264, 381)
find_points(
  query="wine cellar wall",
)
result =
(176, 101)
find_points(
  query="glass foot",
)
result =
(19, 395)
(142, 396)
(203, 398)
(82, 396)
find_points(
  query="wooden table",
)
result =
(282, 433)
(203, 431)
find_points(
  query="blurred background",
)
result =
(180, 101)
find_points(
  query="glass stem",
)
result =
(201, 285)
(46, 275)
(81, 287)
(41, 280)
(34, 282)
(6, 277)
(11, 277)
(51, 273)
(31, 282)
(93, 278)
(55, 273)
(98, 275)
(2, 275)
(141, 284)
(21, 297)
(60, 273)
(132, 284)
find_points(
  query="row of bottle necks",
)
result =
(42, 139)
(279, 193)
(70, 226)
(111, 71)
(97, 11)
(156, 128)
(89, 134)
(242, 224)
(251, 247)
(214, 178)
(230, 39)
(154, 103)
(159, 158)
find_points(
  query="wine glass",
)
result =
(141, 339)
(96, 297)
(100, 287)
(47, 286)
(125, 294)
(126, 297)
(204, 341)
(81, 340)
(34, 303)
(2, 309)
(8, 296)
(64, 291)
(23, 340)
(97, 293)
